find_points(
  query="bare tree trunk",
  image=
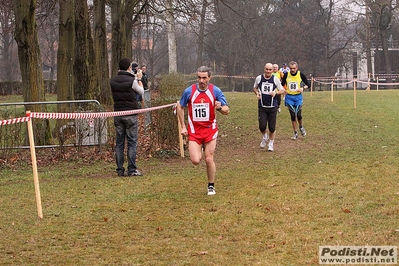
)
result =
(30, 62)
(9, 70)
(387, 59)
(129, 34)
(136, 39)
(101, 53)
(83, 64)
(171, 29)
(65, 63)
(368, 43)
(118, 24)
(380, 13)
(28, 50)
(201, 34)
(384, 24)
(66, 51)
(53, 64)
(133, 11)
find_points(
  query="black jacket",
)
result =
(124, 96)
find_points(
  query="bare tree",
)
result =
(332, 33)
(201, 32)
(85, 79)
(238, 37)
(28, 50)
(156, 52)
(123, 15)
(30, 60)
(101, 53)
(171, 29)
(381, 16)
(66, 51)
(379, 21)
(47, 17)
(170, 12)
(118, 32)
(9, 70)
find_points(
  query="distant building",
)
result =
(356, 64)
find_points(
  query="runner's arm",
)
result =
(305, 80)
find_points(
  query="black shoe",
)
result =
(135, 173)
(121, 174)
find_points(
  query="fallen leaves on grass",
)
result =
(200, 253)
(213, 209)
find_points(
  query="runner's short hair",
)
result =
(204, 69)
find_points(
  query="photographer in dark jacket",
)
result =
(126, 86)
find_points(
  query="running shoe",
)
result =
(295, 135)
(263, 143)
(303, 131)
(211, 191)
(270, 147)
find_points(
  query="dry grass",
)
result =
(337, 186)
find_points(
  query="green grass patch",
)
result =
(336, 186)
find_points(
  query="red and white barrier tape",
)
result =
(376, 83)
(238, 77)
(95, 115)
(14, 121)
(385, 75)
(358, 81)
(331, 79)
(329, 83)
(79, 115)
(225, 76)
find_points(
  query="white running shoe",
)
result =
(303, 131)
(270, 147)
(211, 191)
(295, 135)
(263, 143)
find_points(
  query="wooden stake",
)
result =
(180, 139)
(354, 93)
(311, 87)
(180, 135)
(34, 167)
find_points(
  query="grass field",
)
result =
(336, 186)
